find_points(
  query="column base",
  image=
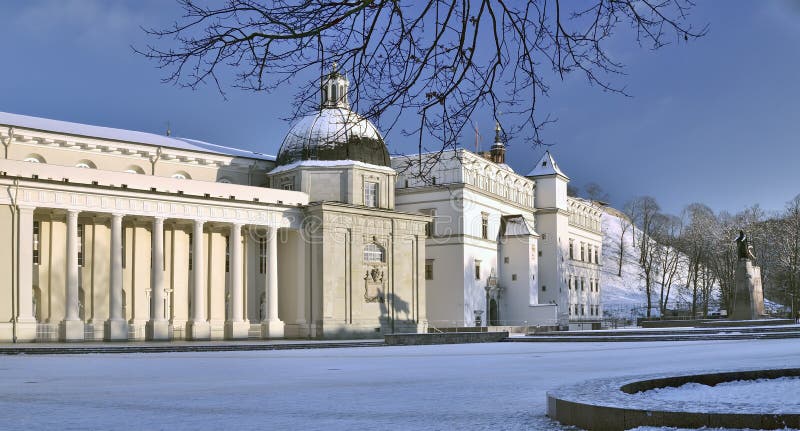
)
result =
(237, 330)
(71, 330)
(26, 330)
(198, 331)
(115, 330)
(157, 330)
(272, 329)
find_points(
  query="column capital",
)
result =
(26, 208)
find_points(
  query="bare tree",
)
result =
(440, 59)
(625, 225)
(595, 192)
(669, 257)
(644, 212)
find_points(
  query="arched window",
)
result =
(85, 164)
(133, 169)
(34, 158)
(181, 176)
(373, 253)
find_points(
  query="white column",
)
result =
(272, 327)
(158, 326)
(198, 327)
(116, 329)
(237, 327)
(26, 323)
(72, 326)
(236, 273)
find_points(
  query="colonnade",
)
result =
(158, 327)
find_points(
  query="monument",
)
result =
(748, 296)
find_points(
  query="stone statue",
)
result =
(748, 298)
(742, 246)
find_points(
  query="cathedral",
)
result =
(122, 235)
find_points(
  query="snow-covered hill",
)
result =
(624, 295)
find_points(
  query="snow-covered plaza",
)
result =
(497, 386)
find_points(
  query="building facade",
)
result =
(121, 235)
(503, 249)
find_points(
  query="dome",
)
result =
(334, 132)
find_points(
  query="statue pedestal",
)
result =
(748, 296)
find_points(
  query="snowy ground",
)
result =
(774, 395)
(499, 386)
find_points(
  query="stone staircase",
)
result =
(683, 334)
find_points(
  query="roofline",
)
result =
(266, 157)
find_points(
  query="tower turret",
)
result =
(498, 151)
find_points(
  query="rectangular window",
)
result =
(513, 277)
(505, 259)
(544, 288)
(288, 186)
(262, 255)
(80, 243)
(571, 250)
(191, 251)
(583, 282)
(429, 269)
(569, 286)
(36, 228)
(370, 194)
(477, 269)
(596, 256)
(582, 254)
(484, 226)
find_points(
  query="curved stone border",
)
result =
(608, 404)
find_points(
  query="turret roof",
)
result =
(546, 166)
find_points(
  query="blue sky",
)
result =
(716, 121)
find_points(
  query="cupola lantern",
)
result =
(334, 89)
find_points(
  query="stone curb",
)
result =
(610, 404)
(176, 348)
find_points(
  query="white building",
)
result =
(121, 235)
(503, 249)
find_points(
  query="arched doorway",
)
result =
(494, 314)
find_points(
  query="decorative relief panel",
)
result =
(374, 285)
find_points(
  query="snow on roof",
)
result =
(329, 163)
(506, 167)
(517, 225)
(78, 129)
(546, 166)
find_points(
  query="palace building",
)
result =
(122, 235)
(503, 249)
